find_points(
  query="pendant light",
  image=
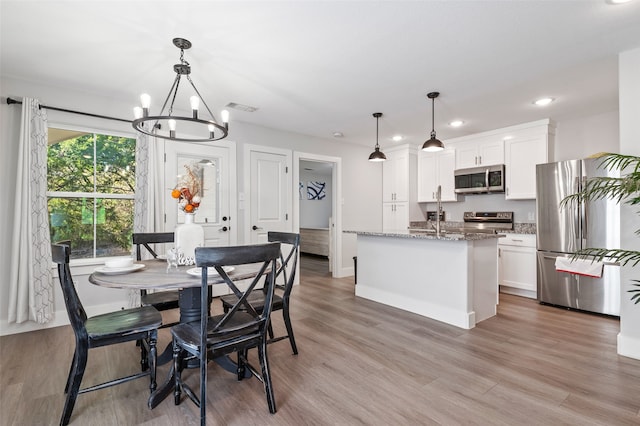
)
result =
(433, 144)
(377, 155)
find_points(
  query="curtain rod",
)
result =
(13, 101)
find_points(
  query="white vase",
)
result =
(188, 236)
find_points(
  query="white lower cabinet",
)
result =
(517, 264)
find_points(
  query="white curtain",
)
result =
(147, 205)
(148, 208)
(31, 277)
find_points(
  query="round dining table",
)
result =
(154, 275)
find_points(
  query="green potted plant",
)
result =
(622, 189)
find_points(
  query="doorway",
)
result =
(317, 212)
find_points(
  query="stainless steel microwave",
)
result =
(478, 180)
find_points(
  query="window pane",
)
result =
(115, 164)
(114, 227)
(70, 164)
(73, 219)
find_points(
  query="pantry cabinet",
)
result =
(399, 188)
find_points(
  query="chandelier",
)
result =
(167, 125)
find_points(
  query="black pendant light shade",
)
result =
(377, 155)
(433, 144)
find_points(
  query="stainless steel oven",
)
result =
(478, 180)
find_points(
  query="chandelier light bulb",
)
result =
(137, 112)
(224, 115)
(172, 128)
(145, 100)
(195, 103)
(212, 128)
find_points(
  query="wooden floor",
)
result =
(360, 363)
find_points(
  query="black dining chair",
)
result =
(138, 324)
(161, 300)
(239, 329)
(285, 277)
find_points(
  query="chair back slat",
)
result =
(143, 239)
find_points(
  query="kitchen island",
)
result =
(451, 277)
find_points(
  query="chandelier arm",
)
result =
(377, 120)
(213, 117)
(176, 84)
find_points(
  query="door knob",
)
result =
(224, 218)
(224, 229)
(255, 228)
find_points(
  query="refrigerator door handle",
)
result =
(585, 215)
(576, 214)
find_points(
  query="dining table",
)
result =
(154, 275)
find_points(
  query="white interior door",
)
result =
(269, 192)
(216, 213)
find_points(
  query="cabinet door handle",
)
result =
(515, 240)
(475, 160)
(480, 160)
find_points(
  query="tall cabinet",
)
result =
(399, 179)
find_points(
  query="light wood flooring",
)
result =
(360, 363)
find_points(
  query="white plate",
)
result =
(212, 271)
(117, 271)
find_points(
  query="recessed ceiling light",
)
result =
(543, 101)
(617, 1)
(338, 134)
(456, 123)
(397, 138)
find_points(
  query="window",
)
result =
(91, 185)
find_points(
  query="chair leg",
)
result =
(266, 375)
(152, 359)
(270, 330)
(203, 385)
(144, 355)
(79, 365)
(71, 369)
(287, 324)
(242, 356)
(177, 368)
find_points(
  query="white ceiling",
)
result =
(319, 67)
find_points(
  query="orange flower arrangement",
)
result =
(187, 190)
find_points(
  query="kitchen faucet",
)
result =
(438, 209)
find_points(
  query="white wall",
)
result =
(360, 208)
(315, 213)
(629, 72)
(585, 136)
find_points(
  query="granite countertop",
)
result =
(422, 235)
(518, 227)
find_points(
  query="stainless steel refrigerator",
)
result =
(561, 231)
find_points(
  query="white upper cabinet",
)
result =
(523, 151)
(436, 168)
(395, 176)
(481, 151)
